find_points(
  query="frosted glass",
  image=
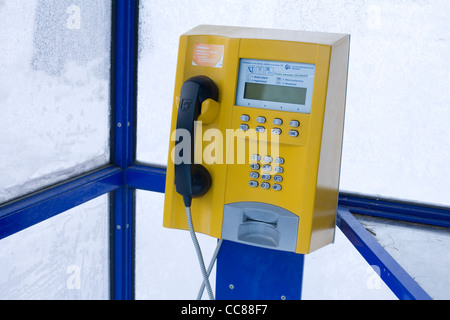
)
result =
(65, 257)
(167, 266)
(166, 262)
(423, 251)
(396, 130)
(54, 91)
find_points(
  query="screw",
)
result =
(118, 227)
(231, 286)
(283, 297)
(119, 125)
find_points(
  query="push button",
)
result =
(265, 185)
(277, 178)
(261, 119)
(279, 169)
(265, 176)
(243, 127)
(267, 159)
(267, 167)
(255, 166)
(245, 117)
(293, 133)
(294, 123)
(277, 121)
(253, 183)
(256, 157)
(276, 187)
(260, 129)
(279, 160)
(276, 131)
(254, 175)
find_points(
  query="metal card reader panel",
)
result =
(260, 224)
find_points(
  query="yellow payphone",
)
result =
(257, 129)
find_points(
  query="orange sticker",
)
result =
(208, 55)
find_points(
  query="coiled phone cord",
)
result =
(199, 254)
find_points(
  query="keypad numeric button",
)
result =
(256, 157)
(279, 160)
(265, 176)
(276, 187)
(277, 178)
(253, 183)
(279, 169)
(265, 185)
(254, 166)
(254, 175)
(267, 167)
(267, 159)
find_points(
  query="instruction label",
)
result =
(208, 55)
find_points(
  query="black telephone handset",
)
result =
(192, 180)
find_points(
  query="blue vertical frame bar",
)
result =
(123, 123)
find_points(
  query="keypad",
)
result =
(293, 124)
(268, 169)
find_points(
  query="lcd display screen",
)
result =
(275, 85)
(269, 92)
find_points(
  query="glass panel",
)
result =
(339, 272)
(65, 257)
(423, 251)
(397, 104)
(54, 91)
(166, 262)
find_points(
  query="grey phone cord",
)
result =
(199, 254)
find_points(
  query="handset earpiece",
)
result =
(192, 180)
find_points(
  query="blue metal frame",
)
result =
(398, 210)
(124, 175)
(124, 77)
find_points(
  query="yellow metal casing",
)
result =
(311, 160)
